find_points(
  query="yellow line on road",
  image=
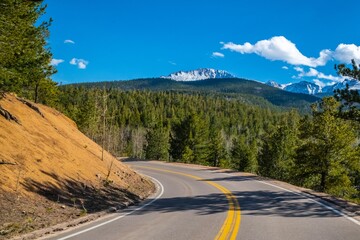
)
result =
(231, 225)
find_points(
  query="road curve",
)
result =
(199, 203)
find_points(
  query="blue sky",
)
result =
(285, 41)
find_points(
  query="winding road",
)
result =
(194, 202)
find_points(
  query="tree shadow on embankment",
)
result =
(76, 194)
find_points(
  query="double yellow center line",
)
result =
(231, 225)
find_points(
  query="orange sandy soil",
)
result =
(52, 173)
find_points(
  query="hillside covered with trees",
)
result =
(247, 90)
(196, 122)
(318, 151)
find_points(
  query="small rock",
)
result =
(63, 206)
(112, 209)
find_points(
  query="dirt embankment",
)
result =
(51, 172)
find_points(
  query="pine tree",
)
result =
(279, 149)
(244, 155)
(217, 150)
(157, 144)
(329, 155)
(350, 98)
(190, 134)
(24, 58)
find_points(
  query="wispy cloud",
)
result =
(69, 41)
(315, 73)
(285, 67)
(217, 55)
(172, 63)
(80, 63)
(279, 48)
(55, 62)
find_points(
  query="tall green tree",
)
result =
(329, 156)
(350, 98)
(277, 158)
(24, 57)
(217, 150)
(190, 136)
(244, 155)
(157, 143)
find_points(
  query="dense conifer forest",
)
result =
(211, 122)
(247, 90)
(318, 150)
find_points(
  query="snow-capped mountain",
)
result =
(275, 84)
(303, 87)
(353, 85)
(314, 89)
(198, 74)
(299, 87)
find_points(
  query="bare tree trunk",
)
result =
(36, 95)
(105, 96)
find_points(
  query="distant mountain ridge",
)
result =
(311, 88)
(198, 74)
(247, 90)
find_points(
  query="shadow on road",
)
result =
(282, 204)
(258, 203)
(200, 205)
(255, 202)
(233, 178)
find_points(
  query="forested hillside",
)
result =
(319, 151)
(247, 90)
(220, 122)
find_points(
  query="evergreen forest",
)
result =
(318, 149)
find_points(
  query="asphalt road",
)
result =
(197, 203)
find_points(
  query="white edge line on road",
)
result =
(124, 215)
(313, 200)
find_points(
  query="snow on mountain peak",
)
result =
(314, 88)
(275, 84)
(198, 74)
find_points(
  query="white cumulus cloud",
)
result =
(279, 48)
(345, 52)
(80, 63)
(285, 67)
(69, 41)
(218, 55)
(55, 62)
